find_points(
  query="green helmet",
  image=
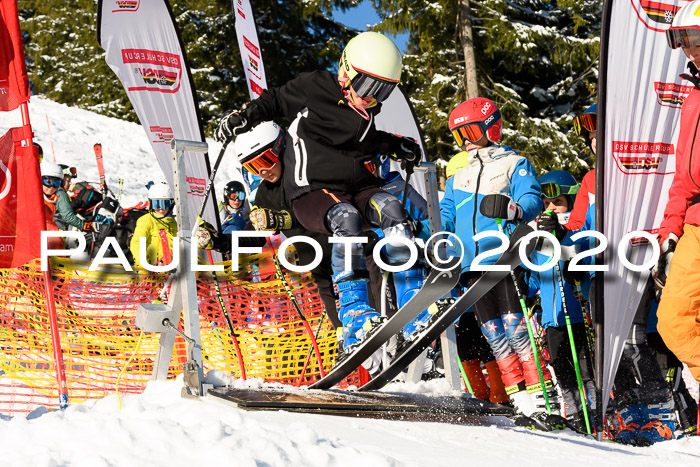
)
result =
(372, 63)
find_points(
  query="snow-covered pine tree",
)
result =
(537, 60)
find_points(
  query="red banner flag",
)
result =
(14, 83)
(21, 202)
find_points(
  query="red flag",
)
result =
(21, 202)
(14, 83)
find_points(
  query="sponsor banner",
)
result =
(251, 58)
(642, 158)
(644, 93)
(144, 50)
(671, 94)
(20, 194)
(14, 83)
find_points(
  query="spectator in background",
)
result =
(158, 227)
(51, 177)
(235, 209)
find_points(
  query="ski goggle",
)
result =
(474, 131)
(164, 204)
(586, 122)
(51, 182)
(552, 190)
(684, 36)
(234, 195)
(366, 85)
(263, 161)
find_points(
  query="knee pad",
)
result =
(384, 210)
(345, 220)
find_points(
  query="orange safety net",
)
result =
(96, 324)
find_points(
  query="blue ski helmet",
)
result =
(559, 182)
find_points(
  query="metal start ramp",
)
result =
(389, 406)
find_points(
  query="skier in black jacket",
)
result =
(331, 135)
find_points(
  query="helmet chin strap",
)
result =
(344, 82)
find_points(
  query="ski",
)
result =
(413, 348)
(100, 167)
(436, 284)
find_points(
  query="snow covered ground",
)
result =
(159, 428)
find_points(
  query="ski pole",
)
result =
(220, 298)
(293, 299)
(209, 185)
(574, 355)
(530, 332)
(464, 376)
(121, 189)
(406, 187)
(48, 125)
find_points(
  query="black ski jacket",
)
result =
(327, 141)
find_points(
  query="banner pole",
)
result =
(598, 303)
(49, 293)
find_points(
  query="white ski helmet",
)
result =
(260, 147)
(50, 169)
(159, 190)
(685, 29)
(372, 63)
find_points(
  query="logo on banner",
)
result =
(255, 87)
(126, 5)
(656, 16)
(251, 47)
(161, 134)
(6, 183)
(671, 94)
(636, 158)
(239, 8)
(197, 186)
(155, 71)
(643, 241)
(4, 87)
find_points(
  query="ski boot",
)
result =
(632, 419)
(660, 426)
(496, 385)
(354, 311)
(407, 284)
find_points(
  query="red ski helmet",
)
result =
(470, 120)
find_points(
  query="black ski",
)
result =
(412, 349)
(437, 284)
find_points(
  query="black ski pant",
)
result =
(639, 379)
(561, 359)
(672, 368)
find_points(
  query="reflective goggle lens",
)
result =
(237, 195)
(365, 85)
(51, 182)
(683, 37)
(585, 122)
(164, 204)
(264, 161)
(552, 190)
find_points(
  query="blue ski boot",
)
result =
(661, 424)
(407, 284)
(633, 419)
(353, 307)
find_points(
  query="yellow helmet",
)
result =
(372, 63)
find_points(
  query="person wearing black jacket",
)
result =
(332, 133)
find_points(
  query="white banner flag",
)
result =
(644, 94)
(144, 50)
(251, 57)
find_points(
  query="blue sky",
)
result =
(363, 15)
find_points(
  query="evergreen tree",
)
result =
(536, 59)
